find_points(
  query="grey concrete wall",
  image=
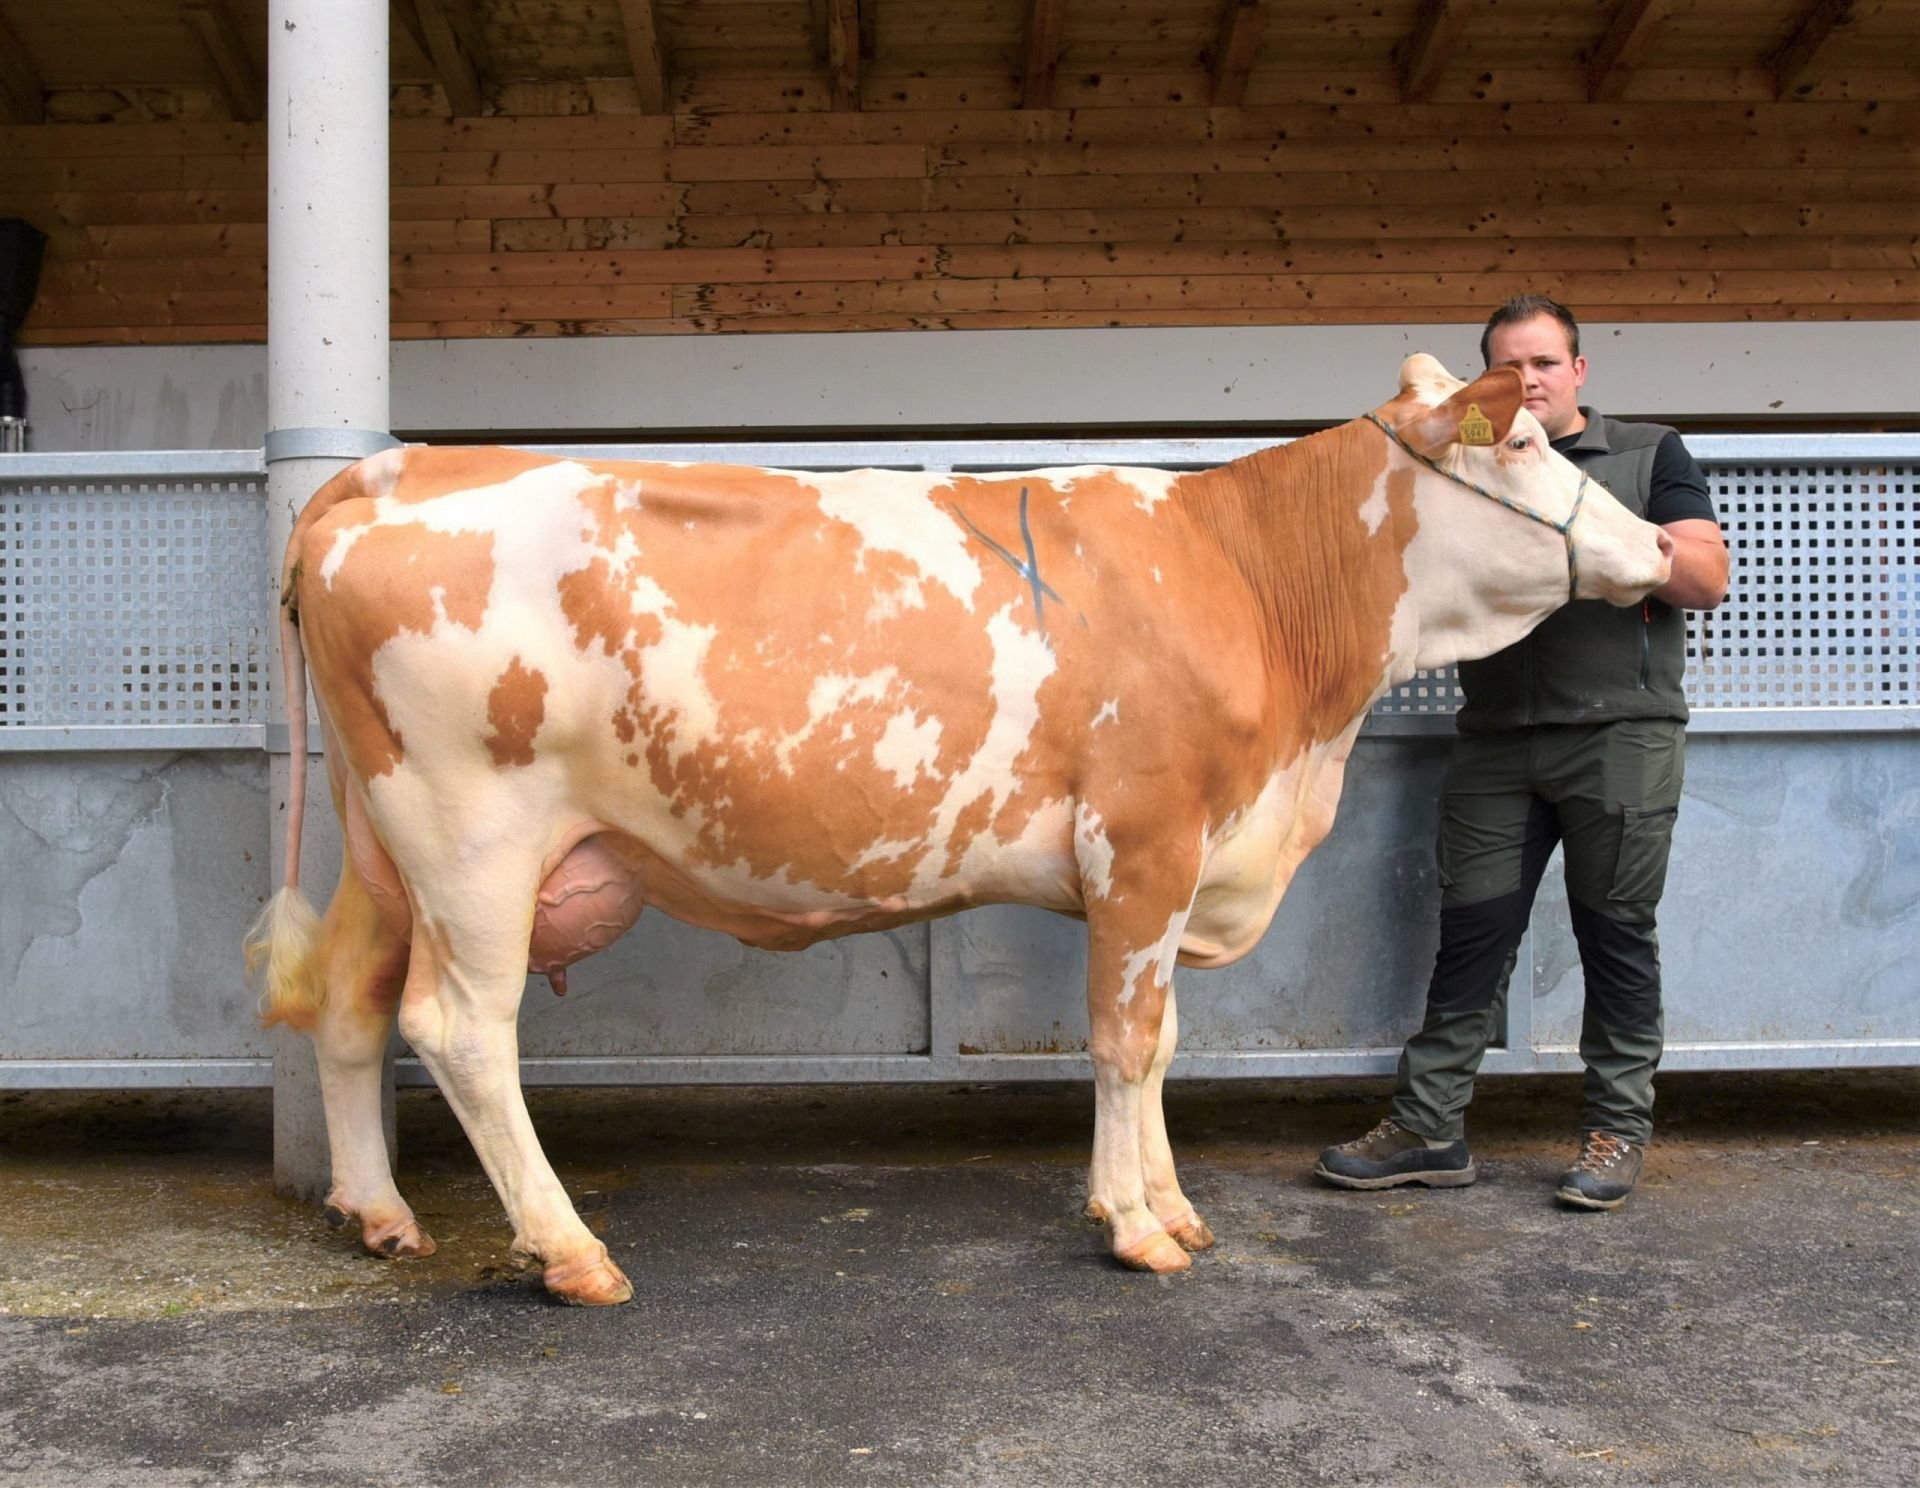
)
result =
(214, 397)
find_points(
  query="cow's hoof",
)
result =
(400, 1239)
(1095, 1212)
(1190, 1232)
(1159, 1253)
(593, 1281)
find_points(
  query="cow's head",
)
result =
(1500, 511)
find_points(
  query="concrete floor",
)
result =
(891, 1285)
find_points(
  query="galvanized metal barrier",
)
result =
(135, 638)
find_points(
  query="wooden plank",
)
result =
(415, 203)
(240, 85)
(672, 266)
(527, 167)
(1242, 23)
(1629, 32)
(23, 96)
(1199, 125)
(1044, 18)
(1428, 50)
(843, 52)
(641, 28)
(1590, 290)
(1563, 221)
(1812, 27)
(504, 132)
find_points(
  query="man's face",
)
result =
(1538, 348)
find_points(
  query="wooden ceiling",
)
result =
(142, 60)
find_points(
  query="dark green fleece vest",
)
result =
(1589, 661)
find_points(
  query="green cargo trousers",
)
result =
(1608, 794)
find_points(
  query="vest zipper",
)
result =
(1646, 643)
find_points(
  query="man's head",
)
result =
(1541, 338)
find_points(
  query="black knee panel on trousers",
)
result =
(1475, 941)
(1622, 965)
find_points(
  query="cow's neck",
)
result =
(1318, 531)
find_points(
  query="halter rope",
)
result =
(1565, 529)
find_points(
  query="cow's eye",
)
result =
(1519, 442)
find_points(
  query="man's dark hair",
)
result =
(1525, 307)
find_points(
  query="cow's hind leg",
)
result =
(364, 962)
(462, 999)
(1130, 1015)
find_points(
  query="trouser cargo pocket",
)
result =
(1640, 871)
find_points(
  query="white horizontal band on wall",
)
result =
(214, 397)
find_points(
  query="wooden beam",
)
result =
(1429, 48)
(1044, 19)
(843, 52)
(240, 84)
(1633, 26)
(23, 97)
(644, 51)
(1241, 26)
(1811, 28)
(432, 25)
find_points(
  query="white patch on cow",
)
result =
(673, 680)
(907, 747)
(1092, 851)
(1109, 713)
(893, 518)
(828, 696)
(1373, 511)
(887, 851)
(1156, 573)
(1022, 661)
(1161, 957)
(1153, 486)
(888, 603)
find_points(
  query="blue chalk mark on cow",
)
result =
(1029, 570)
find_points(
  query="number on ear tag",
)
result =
(1476, 427)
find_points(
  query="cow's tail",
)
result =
(285, 936)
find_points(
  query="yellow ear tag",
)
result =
(1476, 427)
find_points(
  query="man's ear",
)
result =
(1480, 413)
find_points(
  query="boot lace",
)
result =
(1386, 1127)
(1602, 1151)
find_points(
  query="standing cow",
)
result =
(792, 706)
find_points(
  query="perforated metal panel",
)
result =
(135, 604)
(139, 601)
(1825, 598)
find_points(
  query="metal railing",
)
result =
(136, 589)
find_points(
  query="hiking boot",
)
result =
(1390, 1155)
(1605, 1173)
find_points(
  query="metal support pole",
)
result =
(327, 370)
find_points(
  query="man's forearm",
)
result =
(1699, 579)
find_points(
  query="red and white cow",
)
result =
(793, 706)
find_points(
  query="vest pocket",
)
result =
(1640, 871)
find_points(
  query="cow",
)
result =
(790, 706)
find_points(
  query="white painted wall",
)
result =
(213, 397)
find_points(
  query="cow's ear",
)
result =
(1424, 373)
(1480, 413)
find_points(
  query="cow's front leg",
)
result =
(1170, 1206)
(1130, 1007)
(459, 1013)
(364, 963)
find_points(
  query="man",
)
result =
(1573, 736)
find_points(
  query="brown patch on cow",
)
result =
(516, 708)
(624, 726)
(429, 472)
(395, 579)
